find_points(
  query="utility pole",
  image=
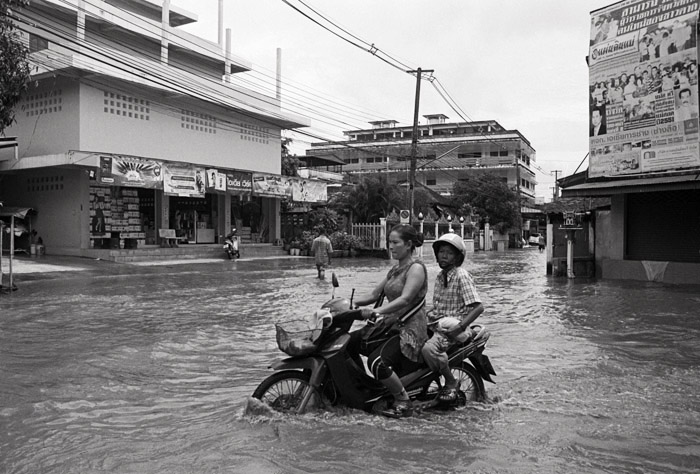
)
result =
(556, 184)
(414, 139)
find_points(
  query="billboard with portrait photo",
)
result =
(643, 87)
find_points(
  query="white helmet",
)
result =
(455, 241)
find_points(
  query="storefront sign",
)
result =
(643, 75)
(272, 185)
(118, 170)
(216, 180)
(306, 190)
(239, 182)
(183, 179)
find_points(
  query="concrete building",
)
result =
(446, 152)
(644, 146)
(132, 126)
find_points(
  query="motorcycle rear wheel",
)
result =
(284, 391)
(470, 384)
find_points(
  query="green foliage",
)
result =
(14, 68)
(323, 217)
(489, 196)
(344, 241)
(290, 162)
(370, 199)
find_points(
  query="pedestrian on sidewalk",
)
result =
(321, 249)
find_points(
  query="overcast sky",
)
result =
(519, 62)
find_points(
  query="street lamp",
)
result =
(449, 222)
(461, 226)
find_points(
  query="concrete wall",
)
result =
(182, 130)
(47, 118)
(60, 197)
(616, 239)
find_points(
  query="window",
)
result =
(499, 153)
(473, 154)
(351, 161)
(37, 43)
(377, 159)
(431, 182)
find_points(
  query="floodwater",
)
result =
(148, 370)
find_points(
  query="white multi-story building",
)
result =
(446, 152)
(131, 126)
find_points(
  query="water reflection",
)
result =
(147, 369)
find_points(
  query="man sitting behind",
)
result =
(454, 296)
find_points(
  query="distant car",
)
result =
(534, 239)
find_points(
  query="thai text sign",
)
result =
(183, 179)
(272, 185)
(239, 182)
(643, 88)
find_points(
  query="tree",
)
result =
(489, 196)
(14, 68)
(373, 197)
(290, 162)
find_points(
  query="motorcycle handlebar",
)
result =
(347, 316)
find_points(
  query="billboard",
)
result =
(643, 88)
(239, 182)
(116, 170)
(183, 179)
(306, 190)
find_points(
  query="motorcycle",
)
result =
(321, 372)
(231, 245)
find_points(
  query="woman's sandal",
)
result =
(400, 409)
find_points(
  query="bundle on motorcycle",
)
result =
(322, 372)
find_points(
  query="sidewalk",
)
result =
(22, 265)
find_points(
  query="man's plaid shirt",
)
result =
(453, 299)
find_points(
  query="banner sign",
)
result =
(239, 182)
(272, 185)
(183, 179)
(643, 78)
(216, 180)
(305, 190)
(118, 170)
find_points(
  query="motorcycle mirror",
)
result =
(334, 280)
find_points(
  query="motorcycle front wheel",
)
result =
(284, 391)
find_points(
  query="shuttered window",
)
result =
(663, 226)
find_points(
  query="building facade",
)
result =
(132, 126)
(446, 152)
(644, 142)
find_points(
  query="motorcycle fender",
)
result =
(483, 365)
(296, 363)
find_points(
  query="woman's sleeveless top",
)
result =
(414, 332)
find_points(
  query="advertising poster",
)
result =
(130, 171)
(239, 182)
(216, 180)
(269, 185)
(305, 190)
(183, 179)
(643, 92)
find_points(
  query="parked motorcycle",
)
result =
(231, 245)
(321, 372)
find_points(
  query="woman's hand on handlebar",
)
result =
(368, 313)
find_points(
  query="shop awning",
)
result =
(633, 185)
(20, 212)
